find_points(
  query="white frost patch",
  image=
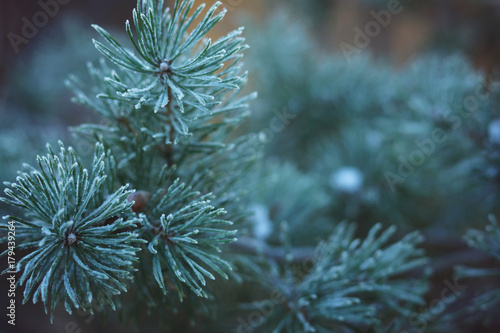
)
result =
(494, 131)
(262, 226)
(347, 179)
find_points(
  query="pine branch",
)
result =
(174, 58)
(178, 94)
(354, 284)
(486, 304)
(184, 233)
(73, 258)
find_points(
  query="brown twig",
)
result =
(170, 147)
(126, 123)
(253, 246)
(456, 252)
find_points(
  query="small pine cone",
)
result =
(141, 199)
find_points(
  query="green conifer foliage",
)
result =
(78, 231)
(181, 218)
(145, 208)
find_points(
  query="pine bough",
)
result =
(150, 206)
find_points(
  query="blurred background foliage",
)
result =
(337, 128)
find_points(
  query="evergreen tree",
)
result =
(194, 211)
